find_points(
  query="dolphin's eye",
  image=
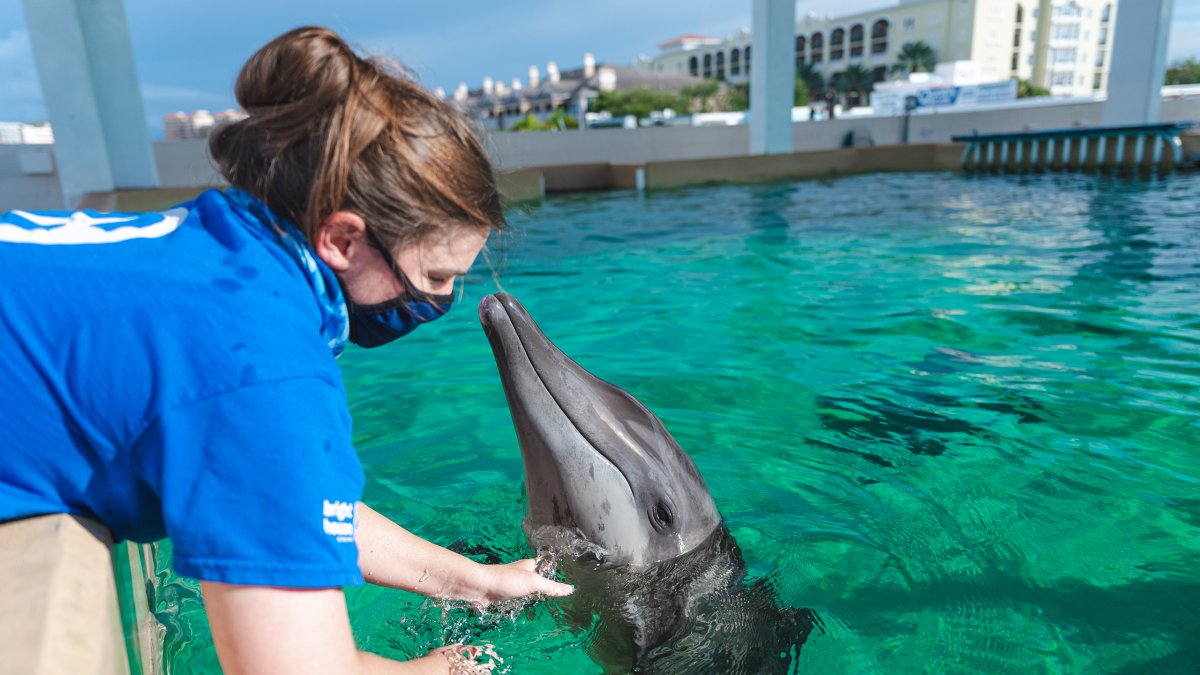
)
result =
(662, 516)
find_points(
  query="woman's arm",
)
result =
(259, 629)
(390, 555)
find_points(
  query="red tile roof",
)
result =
(684, 38)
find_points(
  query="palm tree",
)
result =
(813, 81)
(915, 57)
(856, 82)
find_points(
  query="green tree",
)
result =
(739, 97)
(814, 82)
(1186, 71)
(638, 102)
(527, 123)
(856, 82)
(559, 120)
(915, 57)
(701, 96)
(1027, 89)
(802, 96)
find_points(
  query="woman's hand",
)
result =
(391, 556)
(514, 580)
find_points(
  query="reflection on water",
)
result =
(957, 418)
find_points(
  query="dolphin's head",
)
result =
(598, 463)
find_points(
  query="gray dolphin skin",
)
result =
(611, 494)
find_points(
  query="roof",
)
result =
(628, 78)
(687, 37)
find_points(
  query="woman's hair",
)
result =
(329, 130)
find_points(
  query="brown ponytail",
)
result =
(329, 131)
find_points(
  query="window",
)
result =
(694, 67)
(1066, 32)
(721, 66)
(1016, 62)
(880, 73)
(1099, 59)
(801, 48)
(735, 62)
(708, 73)
(1106, 14)
(910, 23)
(1020, 13)
(1063, 79)
(1103, 35)
(1068, 11)
(1098, 82)
(856, 40)
(1062, 55)
(817, 43)
(879, 36)
(1017, 38)
(837, 41)
(746, 57)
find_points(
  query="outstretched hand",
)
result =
(517, 580)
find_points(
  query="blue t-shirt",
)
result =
(166, 375)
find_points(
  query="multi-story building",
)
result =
(180, 126)
(21, 133)
(1063, 45)
(497, 105)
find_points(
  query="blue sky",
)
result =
(188, 53)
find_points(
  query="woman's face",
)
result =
(432, 265)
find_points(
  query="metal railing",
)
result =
(1146, 148)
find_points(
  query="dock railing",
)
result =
(1146, 147)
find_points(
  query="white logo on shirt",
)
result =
(336, 516)
(83, 228)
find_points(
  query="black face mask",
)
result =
(380, 323)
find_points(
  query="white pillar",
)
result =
(772, 77)
(90, 88)
(1138, 66)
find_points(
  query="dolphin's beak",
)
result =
(516, 339)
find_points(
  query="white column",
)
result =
(772, 77)
(118, 93)
(1139, 58)
(90, 88)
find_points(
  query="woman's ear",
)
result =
(340, 237)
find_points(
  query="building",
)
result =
(179, 126)
(1063, 45)
(20, 133)
(498, 105)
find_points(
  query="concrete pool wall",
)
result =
(73, 602)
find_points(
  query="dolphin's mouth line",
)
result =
(549, 391)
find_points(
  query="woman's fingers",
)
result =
(553, 588)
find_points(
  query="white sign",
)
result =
(939, 98)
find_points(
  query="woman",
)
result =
(173, 374)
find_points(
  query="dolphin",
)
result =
(660, 582)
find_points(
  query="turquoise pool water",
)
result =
(958, 418)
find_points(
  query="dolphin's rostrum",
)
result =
(611, 492)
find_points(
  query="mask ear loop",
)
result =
(410, 289)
